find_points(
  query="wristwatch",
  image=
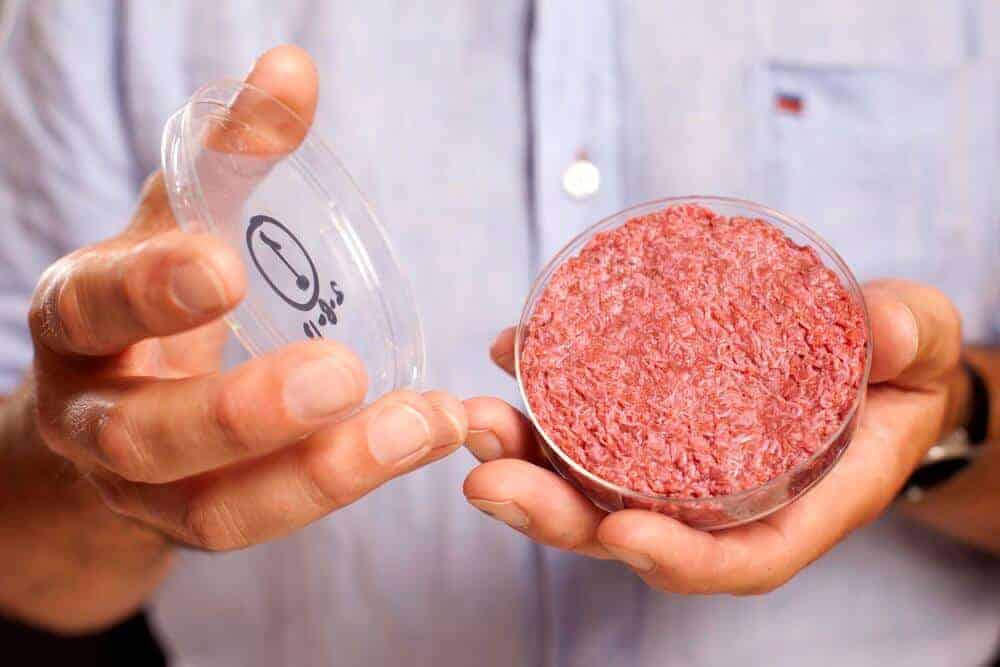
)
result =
(955, 452)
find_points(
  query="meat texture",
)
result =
(693, 355)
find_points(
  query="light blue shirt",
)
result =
(458, 119)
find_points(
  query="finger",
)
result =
(499, 430)
(763, 555)
(161, 431)
(259, 126)
(894, 333)
(207, 284)
(288, 74)
(672, 556)
(196, 351)
(537, 502)
(153, 213)
(502, 350)
(288, 489)
(268, 119)
(916, 332)
(100, 300)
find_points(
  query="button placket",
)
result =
(577, 119)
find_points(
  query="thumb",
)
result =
(267, 120)
(916, 332)
(259, 125)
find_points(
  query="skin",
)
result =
(126, 440)
(917, 394)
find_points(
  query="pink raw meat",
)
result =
(692, 355)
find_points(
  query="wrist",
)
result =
(985, 361)
(960, 439)
(98, 565)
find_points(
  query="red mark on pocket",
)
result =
(789, 103)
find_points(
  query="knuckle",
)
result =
(573, 536)
(412, 398)
(135, 287)
(438, 397)
(349, 361)
(43, 315)
(447, 423)
(228, 418)
(119, 450)
(114, 494)
(70, 319)
(67, 320)
(452, 413)
(324, 484)
(211, 526)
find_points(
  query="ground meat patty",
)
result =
(692, 355)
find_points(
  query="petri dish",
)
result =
(715, 512)
(241, 165)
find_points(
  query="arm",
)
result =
(66, 561)
(125, 439)
(967, 506)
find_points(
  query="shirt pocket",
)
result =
(894, 166)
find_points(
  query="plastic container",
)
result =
(241, 165)
(721, 511)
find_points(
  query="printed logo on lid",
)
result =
(287, 268)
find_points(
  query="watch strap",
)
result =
(954, 453)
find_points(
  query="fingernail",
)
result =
(484, 445)
(197, 288)
(633, 559)
(397, 433)
(320, 388)
(506, 511)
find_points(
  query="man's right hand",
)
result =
(126, 384)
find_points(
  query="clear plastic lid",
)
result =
(241, 165)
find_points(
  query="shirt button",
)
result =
(581, 179)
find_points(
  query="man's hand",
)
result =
(916, 394)
(125, 387)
